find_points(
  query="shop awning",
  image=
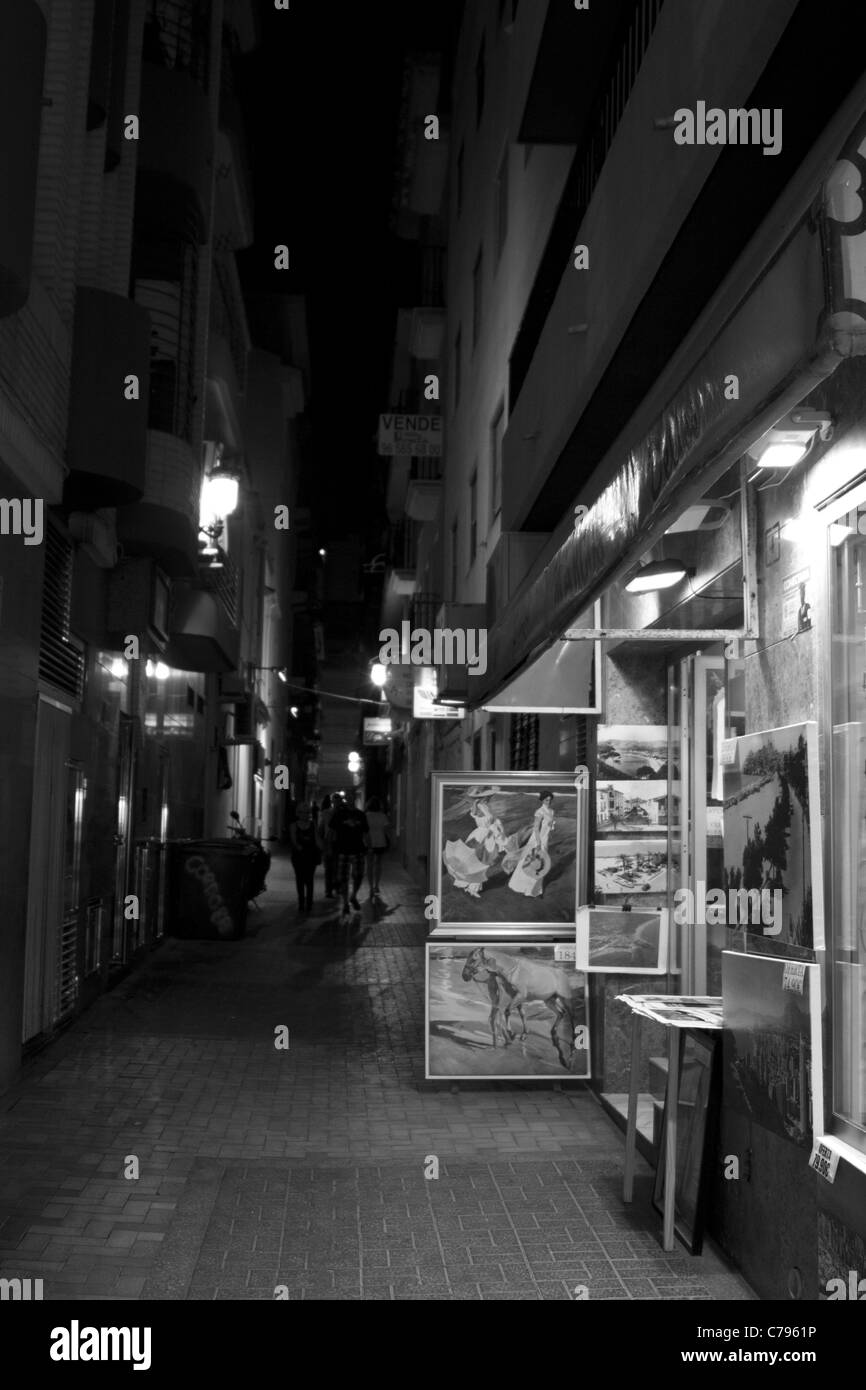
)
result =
(560, 681)
(795, 320)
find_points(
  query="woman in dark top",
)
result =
(306, 854)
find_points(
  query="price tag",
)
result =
(564, 952)
(728, 752)
(824, 1161)
(795, 973)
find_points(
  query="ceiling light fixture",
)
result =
(658, 574)
(789, 441)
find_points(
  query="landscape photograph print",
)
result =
(633, 753)
(631, 867)
(770, 841)
(772, 1045)
(506, 1010)
(613, 941)
(504, 850)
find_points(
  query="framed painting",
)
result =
(774, 1072)
(614, 941)
(772, 842)
(505, 1010)
(507, 853)
(697, 1109)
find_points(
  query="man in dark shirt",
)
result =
(349, 834)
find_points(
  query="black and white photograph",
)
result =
(772, 833)
(631, 867)
(634, 753)
(432, 578)
(506, 850)
(505, 1009)
(632, 808)
(772, 1045)
(613, 941)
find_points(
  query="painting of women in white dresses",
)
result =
(506, 850)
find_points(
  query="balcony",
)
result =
(203, 626)
(424, 490)
(164, 524)
(22, 65)
(233, 217)
(176, 149)
(424, 163)
(107, 440)
(652, 275)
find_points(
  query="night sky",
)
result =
(321, 99)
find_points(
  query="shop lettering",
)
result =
(219, 916)
(744, 907)
(417, 423)
(733, 127)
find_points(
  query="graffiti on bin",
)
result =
(219, 914)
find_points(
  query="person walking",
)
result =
(306, 845)
(350, 835)
(328, 807)
(380, 840)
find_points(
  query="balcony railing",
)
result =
(425, 606)
(223, 583)
(227, 317)
(585, 172)
(426, 471)
(177, 35)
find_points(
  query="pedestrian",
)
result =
(380, 840)
(327, 811)
(306, 854)
(350, 835)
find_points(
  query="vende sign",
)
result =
(413, 436)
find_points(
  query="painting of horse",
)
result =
(510, 1010)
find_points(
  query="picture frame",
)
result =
(772, 831)
(772, 1044)
(697, 1117)
(507, 853)
(505, 1010)
(614, 941)
(629, 868)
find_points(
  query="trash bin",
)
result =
(208, 889)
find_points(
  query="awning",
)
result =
(789, 332)
(563, 680)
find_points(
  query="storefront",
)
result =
(723, 562)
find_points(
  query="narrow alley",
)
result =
(300, 1173)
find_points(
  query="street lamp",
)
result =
(379, 674)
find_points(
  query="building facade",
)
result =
(146, 617)
(652, 361)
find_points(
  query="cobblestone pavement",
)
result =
(303, 1170)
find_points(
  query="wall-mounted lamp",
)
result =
(157, 671)
(789, 441)
(657, 574)
(379, 674)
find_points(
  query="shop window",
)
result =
(847, 838)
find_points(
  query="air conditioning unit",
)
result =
(97, 536)
(508, 566)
